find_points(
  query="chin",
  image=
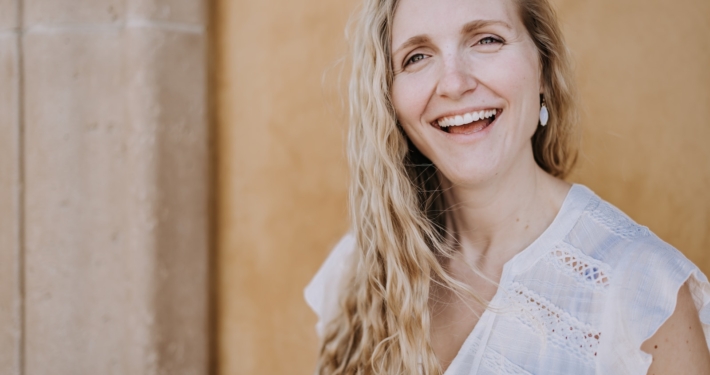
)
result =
(469, 176)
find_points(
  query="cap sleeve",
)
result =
(321, 293)
(645, 292)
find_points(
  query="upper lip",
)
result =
(462, 112)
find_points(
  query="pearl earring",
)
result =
(544, 115)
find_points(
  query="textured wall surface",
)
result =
(282, 175)
(642, 68)
(10, 214)
(109, 235)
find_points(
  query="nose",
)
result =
(456, 77)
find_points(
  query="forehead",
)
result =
(440, 17)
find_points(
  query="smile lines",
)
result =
(467, 118)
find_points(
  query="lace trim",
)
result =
(574, 263)
(496, 361)
(559, 327)
(616, 221)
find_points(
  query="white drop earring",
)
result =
(544, 115)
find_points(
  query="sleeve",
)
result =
(644, 296)
(321, 293)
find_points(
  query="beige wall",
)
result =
(642, 67)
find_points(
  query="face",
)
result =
(466, 86)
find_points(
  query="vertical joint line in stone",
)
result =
(20, 89)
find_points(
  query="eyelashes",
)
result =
(489, 40)
(413, 59)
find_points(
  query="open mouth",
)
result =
(468, 123)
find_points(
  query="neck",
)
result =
(495, 220)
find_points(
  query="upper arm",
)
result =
(679, 347)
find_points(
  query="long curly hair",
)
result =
(397, 208)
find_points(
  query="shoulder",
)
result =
(643, 276)
(322, 292)
(635, 258)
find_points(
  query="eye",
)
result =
(489, 40)
(413, 59)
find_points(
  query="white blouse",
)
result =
(581, 299)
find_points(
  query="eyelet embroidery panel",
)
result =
(586, 270)
(558, 326)
(614, 220)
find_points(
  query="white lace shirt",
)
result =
(581, 299)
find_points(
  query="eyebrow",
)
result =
(466, 29)
(419, 39)
(479, 24)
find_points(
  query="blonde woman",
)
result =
(469, 253)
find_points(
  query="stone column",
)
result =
(111, 146)
(10, 214)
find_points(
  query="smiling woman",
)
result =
(469, 253)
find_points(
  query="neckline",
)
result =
(571, 209)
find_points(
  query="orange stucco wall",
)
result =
(643, 71)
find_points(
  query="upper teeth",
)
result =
(465, 119)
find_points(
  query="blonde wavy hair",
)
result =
(397, 208)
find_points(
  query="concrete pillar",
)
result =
(10, 257)
(116, 186)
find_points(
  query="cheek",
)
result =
(527, 86)
(511, 77)
(516, 78)
(410, 96)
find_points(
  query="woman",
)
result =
(469, 254)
